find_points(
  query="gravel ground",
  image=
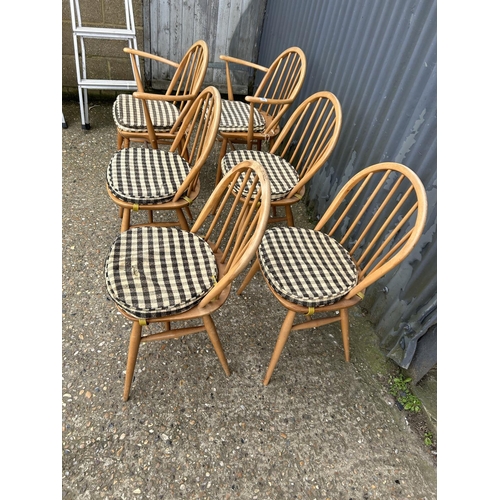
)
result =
(323, 428)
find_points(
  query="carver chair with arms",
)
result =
(166, 275)
(141, 178)
(302, 147)
(258, 118)
(369, 228)
(166, 110)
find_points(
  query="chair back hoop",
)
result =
(310, 135)
(197, 135)
(240, 205)
(378, 216)
(281, 84)
(185, 85)
(190, 74)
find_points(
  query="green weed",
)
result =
(400, 389)
(428, 439)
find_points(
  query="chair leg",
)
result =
(249, 276)
(188, 211)
(125, 219)
(182, 219)
(223, 149)
(286, 327)
(344, 324)
(150, 216)
(289, 216)
(119, 141)
(214, 338)
(133, 349)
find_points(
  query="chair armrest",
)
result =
(147, 55)
(259, 100)
(243, 62)
(163, 97)
(134, 59)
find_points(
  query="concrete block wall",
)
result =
(105, 58)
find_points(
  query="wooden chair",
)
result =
(299, 151)
(259, 117)
(374, 222)
(165, 275)
(167, 109)
(140, 178)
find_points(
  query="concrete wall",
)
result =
(105, 58)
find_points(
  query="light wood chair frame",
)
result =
(306, 142)
(375, 257)
(280, 85)
(194, 142)
(183, 89)
(234, 234)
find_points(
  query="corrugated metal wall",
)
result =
(379, 58)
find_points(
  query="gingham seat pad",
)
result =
(146, 176)
(129, 116)
(282, 175)
(152, 272)
(306, 267)
(235, 115)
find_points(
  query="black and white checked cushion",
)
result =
(146, 176)
(235, 115)
(151, 272)
(306, 267)
(129, 116)
(282, 175)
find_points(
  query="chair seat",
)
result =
(146, 176)
(282, 175)
(129, 116)
(306, 267)
(152, 272)
(235, 116)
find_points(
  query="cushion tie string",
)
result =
(298, 195)
(143, 322)
(189, 200)
(135, 207)
(310, 312)
(214, 279)
(361, 295)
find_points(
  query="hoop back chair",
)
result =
(140, 178)
(259, 117)
(378, 217)
(166, 110)
(165, 275)
(302, 147)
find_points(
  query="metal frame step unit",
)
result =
(80, 34)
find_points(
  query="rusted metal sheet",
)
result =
(379, 58)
